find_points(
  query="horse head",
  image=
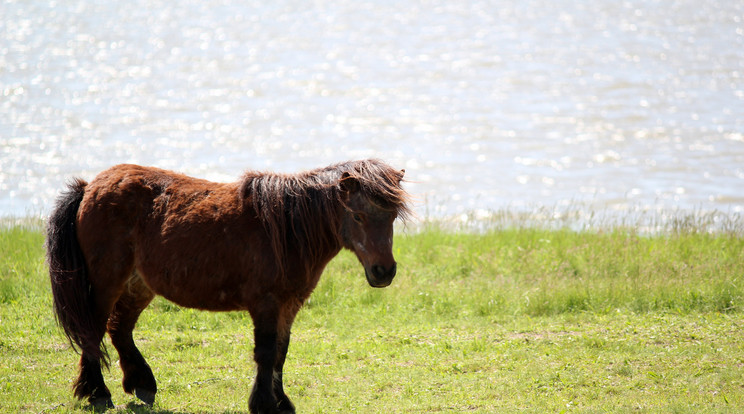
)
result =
(367, 226)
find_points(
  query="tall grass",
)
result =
(21, 262)
(544, 272)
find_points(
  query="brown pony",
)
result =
(259, 245)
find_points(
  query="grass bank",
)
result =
(527, 319)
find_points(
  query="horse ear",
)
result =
(348, 183)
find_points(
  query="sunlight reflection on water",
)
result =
(487, 104)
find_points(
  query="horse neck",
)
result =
(314, 222)
(301, 214)
(323, 237)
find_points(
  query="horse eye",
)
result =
(357, 218)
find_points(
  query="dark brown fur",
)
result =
(259, 245)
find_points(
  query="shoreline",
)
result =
(638, 220)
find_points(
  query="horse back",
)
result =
(190, 240)
(141, 197)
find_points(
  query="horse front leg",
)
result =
(263, 400)
(284, 405)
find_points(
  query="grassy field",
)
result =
(508, 320)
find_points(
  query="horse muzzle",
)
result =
(380, 276)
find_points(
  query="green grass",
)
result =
(506, 320)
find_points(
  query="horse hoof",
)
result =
(147, 397)
(101, 404)
(285, 406)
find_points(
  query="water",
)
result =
(488, 105)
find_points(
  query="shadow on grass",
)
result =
(140, 408)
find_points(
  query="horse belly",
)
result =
(201, 266)
(201, 291)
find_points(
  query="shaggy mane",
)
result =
(300, 211)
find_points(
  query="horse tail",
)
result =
(71, 289)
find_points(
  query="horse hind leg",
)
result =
(138, 377)
(90, 383)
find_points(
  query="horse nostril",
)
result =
(380, 272)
